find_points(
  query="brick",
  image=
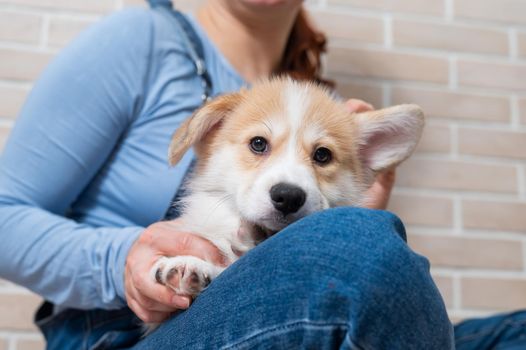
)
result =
(459, 252)
(16, 311)
(451, 37)
(12, 100)
(510, 144)
(10, 285)
(493, 293)
(422, 210)
(500, 216)
(189, 5)
(492, 75)
(444, 104)
(99, 6)
(435, 139)
(522, 110)
(456, 175)
(350, 27)
(368, 93)
(4, 133)
(457, 317)
(434, 7)
(522, 44)
(31, 344)
(387, 65)
(511, 11)
(20, 27)
(140, 3)
(62, 30)
(5, 283)
(22, 65)
(445, 286)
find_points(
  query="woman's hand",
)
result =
(380, 191)
(150, 301)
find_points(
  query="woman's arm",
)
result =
(71, 123)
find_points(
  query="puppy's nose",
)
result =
(287, 198)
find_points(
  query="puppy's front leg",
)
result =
(186, 275)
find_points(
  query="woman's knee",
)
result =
(358, 248)
(346, 236)
(363, 252)
(348, 223)
(362, 247)
(360, 243)
(355, 263)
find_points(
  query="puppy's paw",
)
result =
(186, 275)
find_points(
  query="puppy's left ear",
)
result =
(195, 128)
(388, 136)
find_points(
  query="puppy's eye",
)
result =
(322, 156)
(258, 145)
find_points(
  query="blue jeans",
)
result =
(500, 332)
(343, 278)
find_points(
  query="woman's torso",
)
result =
(135, 184)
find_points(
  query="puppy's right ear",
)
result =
(195, 128)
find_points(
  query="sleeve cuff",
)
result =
(118, 269)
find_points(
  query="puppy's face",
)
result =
(288, 151)
(284, 149)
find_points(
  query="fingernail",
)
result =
(182, 302)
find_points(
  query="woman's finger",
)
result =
(147, 316)
(168, 239)
(379, 193)
(151, 304)
(358, 106)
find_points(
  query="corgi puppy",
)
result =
(271, 155)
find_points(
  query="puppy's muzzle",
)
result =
(287, 198)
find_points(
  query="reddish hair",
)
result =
(302, 56)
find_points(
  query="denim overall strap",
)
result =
(196, 52)
(157, 3)
(192, 42)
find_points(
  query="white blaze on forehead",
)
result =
(290, 167)
(296, 104)
(298, 101)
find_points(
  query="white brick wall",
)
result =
(462, 196)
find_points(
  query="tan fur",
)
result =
(196, 128)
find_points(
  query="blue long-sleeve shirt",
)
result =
(85, 168)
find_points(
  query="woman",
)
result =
(84, 184)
